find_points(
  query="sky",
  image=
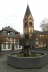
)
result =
(12, 13)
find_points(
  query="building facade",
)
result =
(9, 39)
(41, 39)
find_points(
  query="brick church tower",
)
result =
(28, 23)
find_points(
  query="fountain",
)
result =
(26, 58)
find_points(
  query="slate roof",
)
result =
(28, 12)
(9, 32)
(41, 32)
(9, 29)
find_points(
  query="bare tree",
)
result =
(44, 24)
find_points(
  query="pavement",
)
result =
(7, 68)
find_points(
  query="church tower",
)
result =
(28, 23)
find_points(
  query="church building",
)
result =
(28, 23)
(39, 38)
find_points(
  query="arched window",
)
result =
(25, 25)
(30, 23)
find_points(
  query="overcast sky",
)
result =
(12, 12)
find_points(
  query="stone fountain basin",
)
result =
(27, 62)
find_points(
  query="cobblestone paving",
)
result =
(6, 68)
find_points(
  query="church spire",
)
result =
(28, 12)
(28, 23)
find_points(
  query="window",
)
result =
(30, 18)
(37, 42)
(4, 45)
(16, 45)
(30, 23)
(16, 41)
(40, 35)
(25, 25)
(8, 45)
(26, 36)
(36, 39)
(8, 33)
(30, 29)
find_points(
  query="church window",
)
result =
(25, 25)
(30, 23)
